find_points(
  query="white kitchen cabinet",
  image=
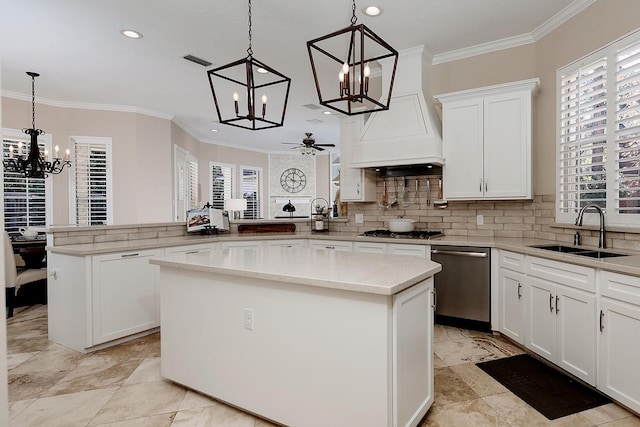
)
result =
(370, 247)
(511, 279)
(560, 323)
(619, 338)
(191, 249)
(286, 243)
(125, 295)
(487, 142)
(422, 251)
(241, 244)
(356, 184)
(338, 245)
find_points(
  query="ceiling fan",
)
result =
(309, 144)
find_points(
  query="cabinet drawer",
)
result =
(620, 287)
(576, 276)
(337, 245)
(512, 261)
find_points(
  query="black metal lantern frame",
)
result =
(345, 84)
(248, 82)
(33, 165)
(251, 89)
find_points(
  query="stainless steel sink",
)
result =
(579, 251)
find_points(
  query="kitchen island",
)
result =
(302, 337)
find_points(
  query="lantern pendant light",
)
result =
(345, 64)
(33, 165)
(237, 88)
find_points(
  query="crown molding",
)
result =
(548, 26)
(88, 106)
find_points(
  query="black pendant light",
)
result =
(344, 65)
(33, 165)
(248, 93)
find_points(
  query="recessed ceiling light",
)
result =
(326, 112)
(213, 130)
(372, 11)
(132, 34)
(262, 70)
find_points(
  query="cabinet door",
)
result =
(541, 318)
(619, 352)
(507, 145)
(463, 152)
(356, 185)
(576, 333)
(125, 296)
(512, 304)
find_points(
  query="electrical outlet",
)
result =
(359, 218)
(248, 318)
(480, 219)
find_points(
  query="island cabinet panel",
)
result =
(125, 297)
(299, 355)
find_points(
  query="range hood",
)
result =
(409, 133)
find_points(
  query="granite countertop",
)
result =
(625, 265)
(360, 272)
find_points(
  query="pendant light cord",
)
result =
(249, 50)
(33, 102)
(353, 11)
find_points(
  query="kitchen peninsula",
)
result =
(303, 337)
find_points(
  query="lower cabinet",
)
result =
(337, 245)
(512, 304)
(125, 296)
(619, 338)
(421, 251)
(286, 243)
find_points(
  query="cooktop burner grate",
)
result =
(416, 234)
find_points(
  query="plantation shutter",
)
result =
(221, 184)
(251, 185)
(24, 198)
(92, 177)
(193, 183)
(583, 139)
(627, 162)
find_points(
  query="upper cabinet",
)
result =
(356, 184)
(487, 142)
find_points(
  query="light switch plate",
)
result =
(359, 218)
(479, 219)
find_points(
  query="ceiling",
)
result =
(84, 61)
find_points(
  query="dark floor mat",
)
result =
(548, 390)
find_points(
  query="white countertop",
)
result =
(359, 272)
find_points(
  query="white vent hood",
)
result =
(409, 133)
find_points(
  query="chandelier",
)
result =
(345, 64)
(239, 86)
(33, 165)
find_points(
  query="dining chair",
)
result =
(15, 278)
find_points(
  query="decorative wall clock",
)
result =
(293, 180)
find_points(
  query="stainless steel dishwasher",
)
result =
(463, 287)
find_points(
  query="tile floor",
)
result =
(50, 385)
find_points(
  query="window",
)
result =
(91, 181)
(25, 199)
(221, 183)
(599, 133)
(186, 184)
(252, 191)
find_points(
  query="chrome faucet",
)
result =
(601, 241)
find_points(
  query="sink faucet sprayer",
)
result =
(601, 242)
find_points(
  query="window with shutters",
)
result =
(252, 191)
(599, 134)
(186, 182)
(25, 199)
(221, 183)
(92, 201)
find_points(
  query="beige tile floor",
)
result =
(50, 385)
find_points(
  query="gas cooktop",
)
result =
(416, 234)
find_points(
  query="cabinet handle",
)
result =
(557, 308)
(192, 252)
(480, 187)
(551, 303)
(329, 247)
(519, 291)
(435, 298)
(358, 188)
(601, 323)
(129, 255)
(486, 186)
